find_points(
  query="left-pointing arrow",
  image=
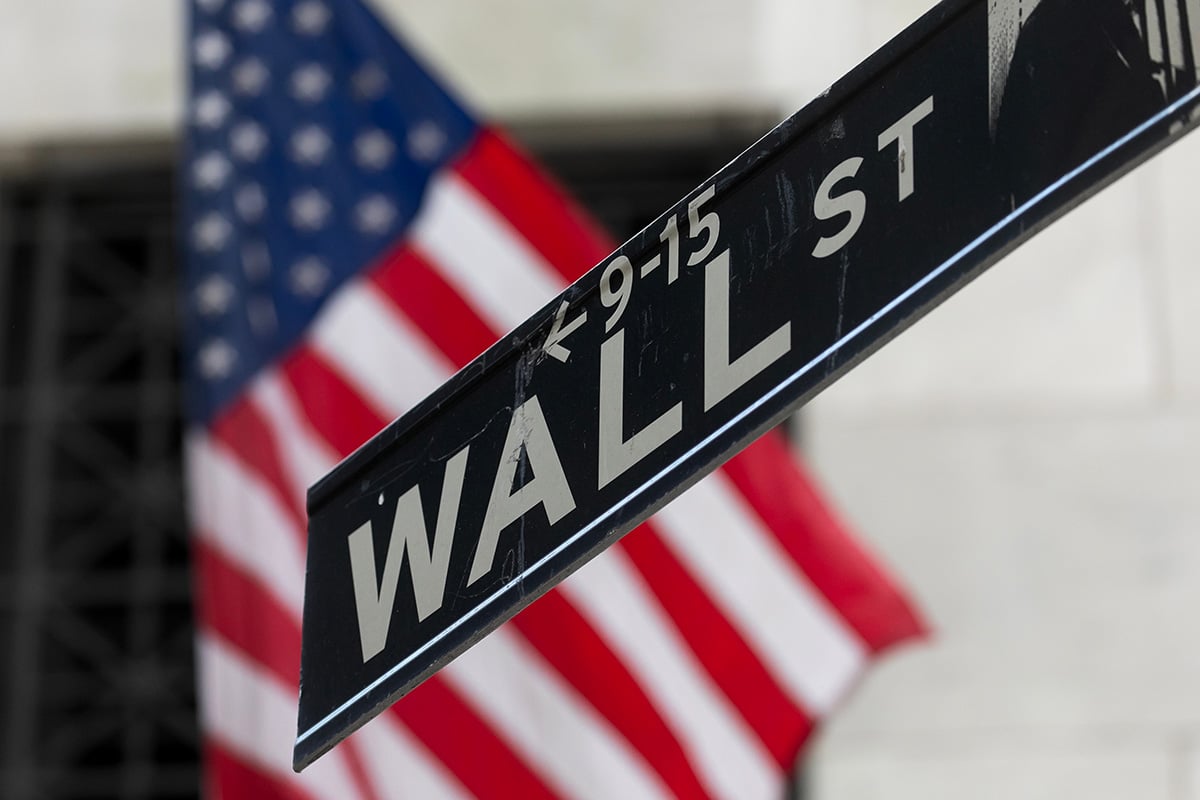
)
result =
(559, 331)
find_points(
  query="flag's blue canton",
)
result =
(312, 136)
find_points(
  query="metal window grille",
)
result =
(95, 604)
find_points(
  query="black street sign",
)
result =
(972, 130)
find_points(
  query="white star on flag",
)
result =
(212, 49)
(310, 83)
(250, 77)
(373, 149)
(211, 110)
(217, 359)
(369, 82)
(310, 145)
(214, 295)
(211, 232)
(210, 171)
(309, 277)
(251, 16)
(425, 141)
(250, 202)
(248, 140)
(310, 17)
(309, 210)
(375, 214)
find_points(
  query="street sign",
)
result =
(976, 127)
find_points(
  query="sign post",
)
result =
(846, 223)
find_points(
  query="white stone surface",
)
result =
(1057, 559)
(1189, 781)
(803, 47)
(882, 19)
(999, 772)
(88, 69)
(666, 55)
(1178, 247)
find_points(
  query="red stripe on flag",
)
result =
(479, 759)
(243, 430)
(229, 777)
(424, 296)
(243, 613)
(332, 406)
(570, 645)
(780, 724)
(358, 770)
(533, 205)
(785, 498)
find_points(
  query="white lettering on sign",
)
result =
(617, 280)
(619, 297)
(374, 602)
(721, 376)
(375, 598)
(528, 432)
(902, 134)
(827, 206)
(560, 330)
(670, 237)
(618, 454)
(709, 224)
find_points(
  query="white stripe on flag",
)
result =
(800, 638)
(556, 731)
(399, 766)
(726, 753)
(233, 511)
(490, 265)
(304, 457)
(246, 710)
(378, 349)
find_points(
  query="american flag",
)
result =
(353, 237)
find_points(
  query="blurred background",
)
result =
(1026, 458)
